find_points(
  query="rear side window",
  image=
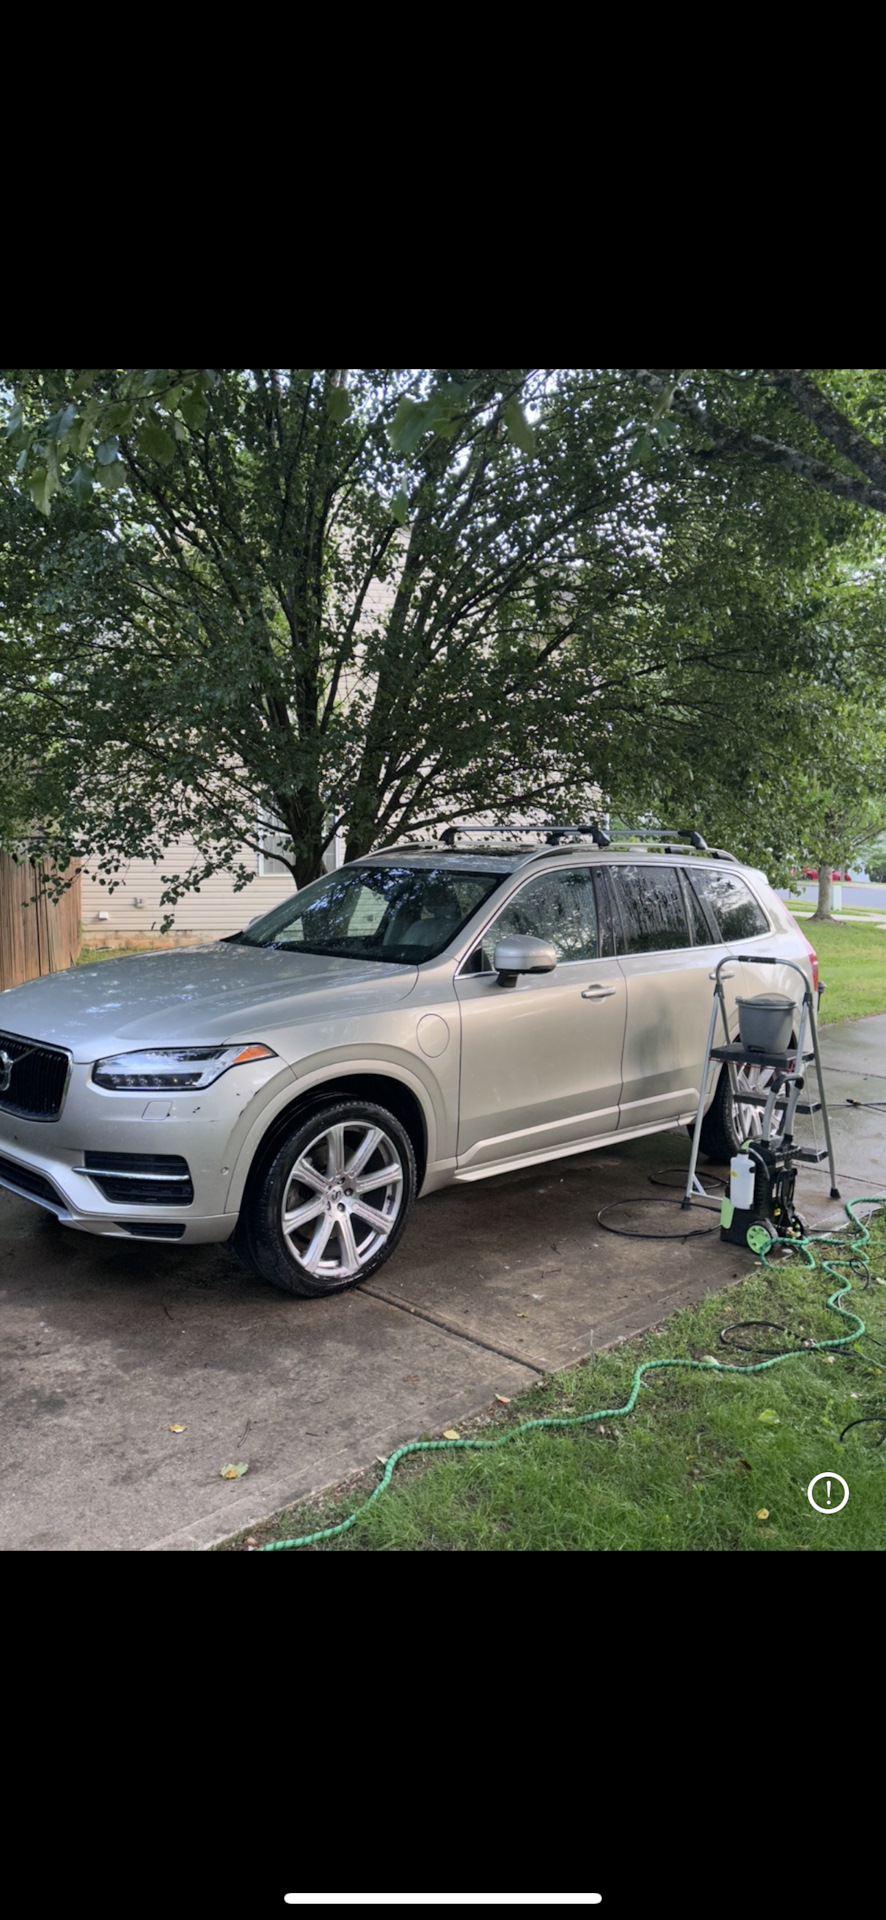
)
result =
(649, 902)
(736, 913)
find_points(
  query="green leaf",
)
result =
(409, 424)
(154, 441)
(518, 426)
(81, 482)
(14, 419)
(115, 417)
(42, 485)
(113, 476)
(107, 453)
(769, 1417)
(89, 417)
(400, 507)
(234, 1472)
(193, 410)
(61, 422)
(84, 379)
(338, 403)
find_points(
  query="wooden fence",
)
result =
(36, 934)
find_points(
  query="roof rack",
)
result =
(555, 837)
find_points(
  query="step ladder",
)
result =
(788, 1078)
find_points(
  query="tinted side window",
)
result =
(650, 902)
(733, 906)
(558, 907)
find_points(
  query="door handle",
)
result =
(597, 993)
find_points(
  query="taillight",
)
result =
(814, 958)
(811, 950)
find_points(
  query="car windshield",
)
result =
(399, 914)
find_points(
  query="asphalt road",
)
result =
(855, 894)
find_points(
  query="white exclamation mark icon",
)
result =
(828, 1480)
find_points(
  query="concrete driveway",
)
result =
(108, 1345)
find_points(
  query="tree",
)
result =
(266, 613)
(784, 417)
(816, 427)
(377, 602)
(841, 790)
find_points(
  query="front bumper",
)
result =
(45, 1160)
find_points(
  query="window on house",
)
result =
(273, 843)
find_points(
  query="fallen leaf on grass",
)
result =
(449, 1433)
(178, 1429)
(769, 1417)
(503, 1399)
(233, 1473)
(763, 1513)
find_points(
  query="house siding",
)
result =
(210, 912)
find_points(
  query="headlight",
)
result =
(179, 1069)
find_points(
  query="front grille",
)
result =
(32, 1077)
(152, 1229)
(142, 1179)
(26, 1180)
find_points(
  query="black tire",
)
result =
(314, 1173)
(727, 1124)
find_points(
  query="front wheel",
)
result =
(334, 1200)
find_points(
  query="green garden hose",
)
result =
(849, 1247)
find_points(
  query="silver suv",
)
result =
(417, 1017)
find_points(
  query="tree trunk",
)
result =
(823, 909)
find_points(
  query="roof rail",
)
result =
(554, 836)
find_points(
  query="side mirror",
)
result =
(522, 953)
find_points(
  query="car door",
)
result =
(660, 931)
(540, 1061)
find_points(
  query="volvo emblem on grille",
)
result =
(6, 1066)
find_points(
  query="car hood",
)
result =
(190, 996)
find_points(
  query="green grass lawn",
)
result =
(852, 964)
(707, 1462)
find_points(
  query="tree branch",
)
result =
(726, 441)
